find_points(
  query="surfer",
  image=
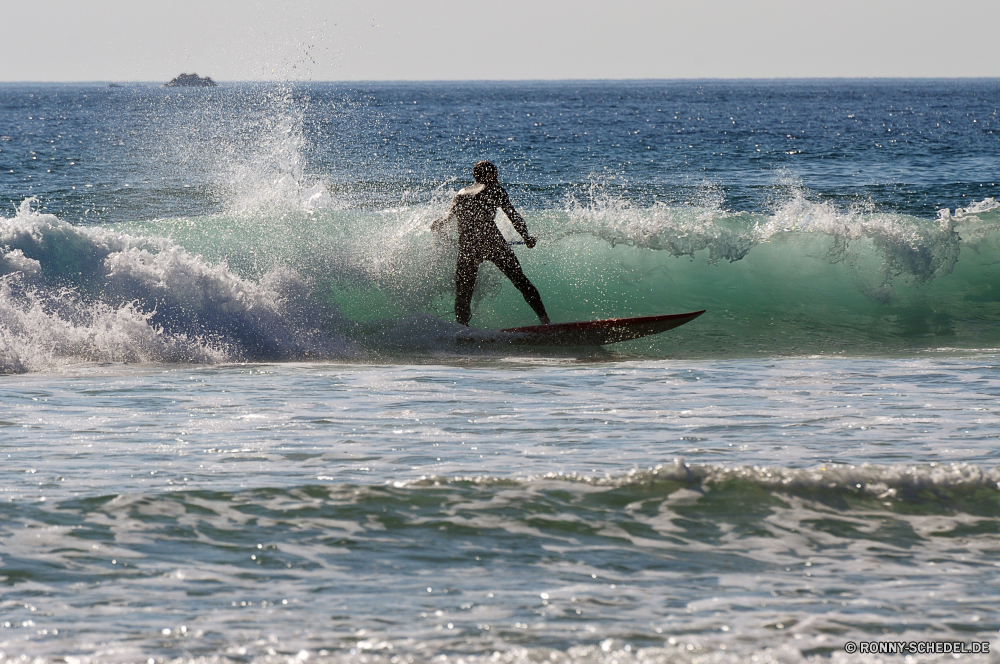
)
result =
(479, 240)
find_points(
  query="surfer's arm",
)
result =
(440, 224)
(516, 220)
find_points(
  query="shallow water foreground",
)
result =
(731, 511)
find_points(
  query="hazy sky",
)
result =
(119, 40)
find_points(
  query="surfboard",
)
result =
(584, 333)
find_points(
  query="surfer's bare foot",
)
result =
(544, 320)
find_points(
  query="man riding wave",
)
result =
(480, 240)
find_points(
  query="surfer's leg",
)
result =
(465, 283)
(505, 259)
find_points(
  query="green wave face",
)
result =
(806, 279)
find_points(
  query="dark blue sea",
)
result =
(239, 423)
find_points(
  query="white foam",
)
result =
(870, 480)
(917, 249)
(75, 294)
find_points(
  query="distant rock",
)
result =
(191, 80)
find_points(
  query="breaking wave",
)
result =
(76, 294)
(310, 280)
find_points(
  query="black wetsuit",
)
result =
(480, 240)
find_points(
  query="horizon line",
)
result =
(532, 80)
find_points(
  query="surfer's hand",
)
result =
(440, 225)
(530, 241)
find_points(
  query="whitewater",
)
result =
(238, 421)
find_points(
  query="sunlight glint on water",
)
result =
(236, 423)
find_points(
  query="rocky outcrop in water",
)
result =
(191, 80)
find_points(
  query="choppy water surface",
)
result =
(705, 511)
(236, 423)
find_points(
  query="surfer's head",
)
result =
(484, 172)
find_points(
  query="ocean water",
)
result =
(237, 424)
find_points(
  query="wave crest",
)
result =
(899, 483)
